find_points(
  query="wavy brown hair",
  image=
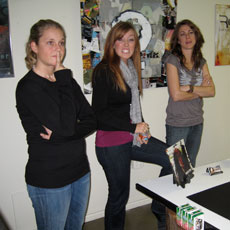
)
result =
(36, 32)
(113, 60)
(176, 48)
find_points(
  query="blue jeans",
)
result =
(116, 161)
(191, 135)
(61, 208)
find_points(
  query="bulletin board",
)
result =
(154, 21)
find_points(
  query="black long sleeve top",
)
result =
(111, 105)
(61, 107)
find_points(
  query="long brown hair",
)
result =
(176, 48)
(36, 32)
(113, 60)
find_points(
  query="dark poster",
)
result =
(6, 65)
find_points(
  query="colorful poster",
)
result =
(222, 36)
(6, 65)
(154, 21)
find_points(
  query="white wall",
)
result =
(15, 205)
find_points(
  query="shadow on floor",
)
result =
(140, 218)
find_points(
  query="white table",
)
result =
(171, 195)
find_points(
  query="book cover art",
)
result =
(179, 159)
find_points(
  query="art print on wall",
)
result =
(222, 36)
(6, 65)
(154, 21)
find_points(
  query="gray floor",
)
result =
(140, 218)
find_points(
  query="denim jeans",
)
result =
(116, 161)
(61, 208)
(191, 135)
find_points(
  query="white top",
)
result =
(164, 187)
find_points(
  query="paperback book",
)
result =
(179, 159)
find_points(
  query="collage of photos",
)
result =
(154, 21)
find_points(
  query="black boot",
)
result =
(159, 211)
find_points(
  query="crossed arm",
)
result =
(180, 93)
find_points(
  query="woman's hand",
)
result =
(47, 135)
(142, 127)
(184, 88)
(59, 65)
(143, 130)
(177, 92)
(207, 88)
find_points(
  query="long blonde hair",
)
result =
(36, 32)
(113, 60)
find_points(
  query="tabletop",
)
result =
(171, 195)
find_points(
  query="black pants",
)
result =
(116, 161)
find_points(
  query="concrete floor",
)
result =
(140, 218)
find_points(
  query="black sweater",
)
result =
(111, 105)
(61, 107)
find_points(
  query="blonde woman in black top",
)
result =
(56, 117)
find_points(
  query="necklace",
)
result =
(189, 65)
(49, 77)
